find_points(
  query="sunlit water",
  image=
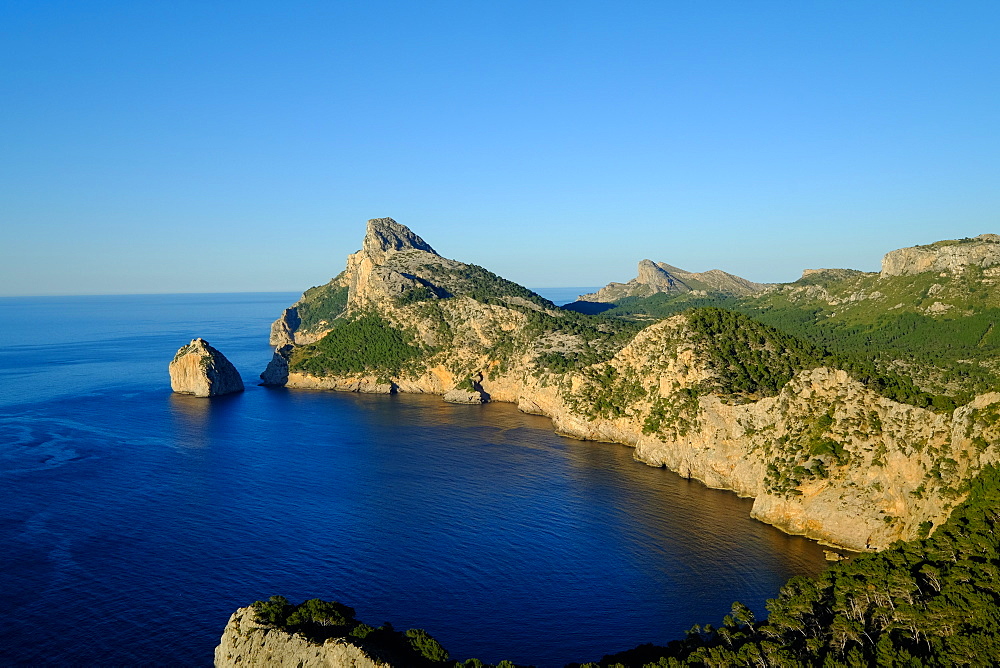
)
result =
(134, 521)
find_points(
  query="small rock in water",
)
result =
(203, 371)
(457, 396)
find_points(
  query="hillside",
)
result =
(930, 315)
(816, 438)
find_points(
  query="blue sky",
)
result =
(241, 146)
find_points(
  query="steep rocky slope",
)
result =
(715, 397)
(943, 256)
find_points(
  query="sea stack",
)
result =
(203, 371)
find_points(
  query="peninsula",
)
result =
(829, 444)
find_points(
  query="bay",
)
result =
(134, 520)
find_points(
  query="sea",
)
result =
(134, 521)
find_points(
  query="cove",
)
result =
(136, 521)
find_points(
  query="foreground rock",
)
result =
(203, 371)
(247, 643)
(459, 396)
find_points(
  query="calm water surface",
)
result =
(134, 521)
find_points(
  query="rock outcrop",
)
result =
(944, 256)
(660, 277)
(823, 456)
(244, 642)
(460, 396)
(276, 373)
(203, 371)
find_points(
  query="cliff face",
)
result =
(822, 454)
(660, 277)
(943, 256)
(203, 371)
(246, 643)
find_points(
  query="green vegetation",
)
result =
(929, 602)
(470, 280)
(749, 358)
(594, 339)
(673, 416)
(321, 304)
(485, 286)
(757, 351)
(607, 395)
(318, 621)
(367, 342)
(421, 293)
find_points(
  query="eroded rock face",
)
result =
(943, 256)
(246, 643)
(276, 373)
(385, 234)
(283, 329)
(203, 371)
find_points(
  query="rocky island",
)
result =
(203, 371)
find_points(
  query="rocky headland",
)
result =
(247, 642)
(203, 371)
(715, 397)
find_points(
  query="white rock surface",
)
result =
(247, 643)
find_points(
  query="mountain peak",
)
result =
(657, 277)
(385, 234)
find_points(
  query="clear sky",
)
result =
(241, 146)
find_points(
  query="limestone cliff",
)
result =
(276, 373)
(245, 642)
(660, 277)
(822, 454)
(203, 371)
(943, 256)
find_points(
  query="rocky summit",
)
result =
(203, 371)
(660, 277)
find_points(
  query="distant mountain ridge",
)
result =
(660, 277)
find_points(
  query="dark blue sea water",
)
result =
(133, 521)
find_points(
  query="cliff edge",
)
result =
(943, 256)
(245, 642)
